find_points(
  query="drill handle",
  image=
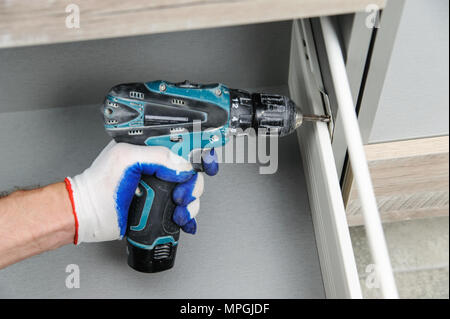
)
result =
(152, 235)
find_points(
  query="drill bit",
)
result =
(316, 118)
(300, 118)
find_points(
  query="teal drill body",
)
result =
(184, 117)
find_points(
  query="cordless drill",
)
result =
(186, 118)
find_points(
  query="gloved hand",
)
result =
(102, 194)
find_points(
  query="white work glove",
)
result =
(102, 194)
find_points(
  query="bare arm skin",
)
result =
(35, 221)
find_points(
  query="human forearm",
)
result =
(35, 221)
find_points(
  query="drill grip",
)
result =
(152, 235)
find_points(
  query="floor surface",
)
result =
(419, 251)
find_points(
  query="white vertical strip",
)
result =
(372, 221)
(337, 260)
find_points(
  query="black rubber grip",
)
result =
(151, 233)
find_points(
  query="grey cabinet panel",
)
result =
(255, 237)
(80, 73)
(415, 97)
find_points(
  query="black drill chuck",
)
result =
(270, 112)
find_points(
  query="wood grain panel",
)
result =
(410, 178)
(43, 22)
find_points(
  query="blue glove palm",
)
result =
(185, 194)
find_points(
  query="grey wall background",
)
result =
(82, 72)
(415, 98)
(255, 236)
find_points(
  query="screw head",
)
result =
(108, 111)
(138, 192)
(214, 138)
(162, 87)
